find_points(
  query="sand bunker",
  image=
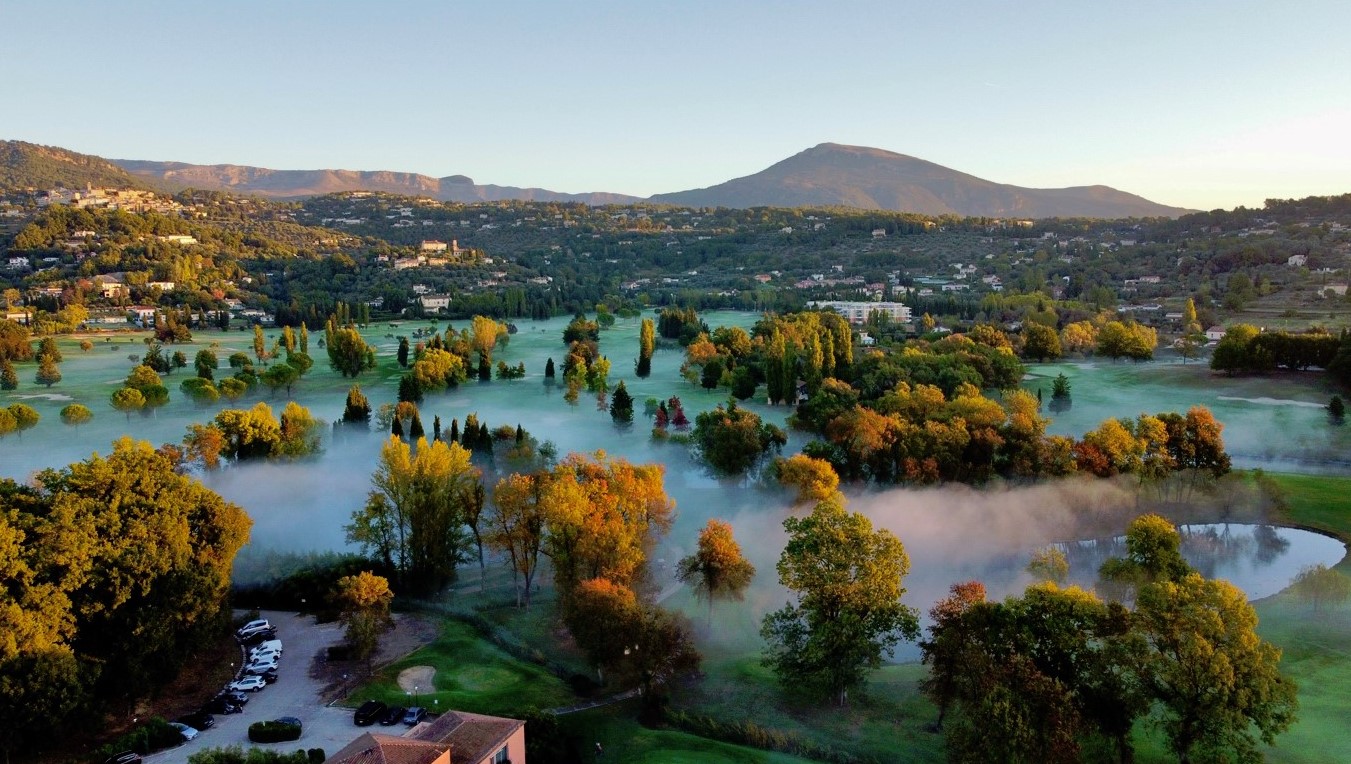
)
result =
(417, 676)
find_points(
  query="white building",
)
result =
(858, 312)
(434, 303)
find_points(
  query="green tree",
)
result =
(1234, 353)
(1214, 679)
(200, 390)
(1336, 410)
(1060, 387)
(279, 376)
(733, 439)
(76, 414)
(233, 389)
(621, 405)
(8, 379)
(846, 579)
(364, 600)
(47, 373)
(402, 355)
(205, 363)
(348, 352)
(25, 417)
(1049, 564)
(717, 570)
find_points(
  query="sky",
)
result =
(1198, 104)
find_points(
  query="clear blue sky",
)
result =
(1200, 104)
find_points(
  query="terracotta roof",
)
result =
(372, 748)
(471, 737)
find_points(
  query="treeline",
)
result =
(1246, 349)
(115, 572)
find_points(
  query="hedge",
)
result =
(273, 732)
(153, 735)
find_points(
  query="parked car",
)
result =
(248, 684)
(269, 676)
(258, 637)
(260, 669)
(266, 646)
(414, 715)
(263, 663)
(393, 715)
(221, 705)
(125, 757)
(261, 623)
(234, 696)
(370, 712)
(199, 721)
(187, 732)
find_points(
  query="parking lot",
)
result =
(297, 692)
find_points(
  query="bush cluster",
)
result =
(148, 737)
(273, 732)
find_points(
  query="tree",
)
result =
(814, 479)
(1336, 410)
(1320, 585)
(1049, 564)
(1153, 553)
(402, 355)
(621, 405)
(647, 344)
(280, 375)
(421, 496)
(25, 417)
(357, 409)
(717, 570)
(76, 414)
(949, 647)
(348, 352)
(602, 617)
(200, 390)
(363, 600)
(205, 363)
(846, 579)
(47, 348)
(515, 525)
(127, 400)
(47, 373)
(8, 379)
(732, 439)
(233, 389)
(1040, 342)
(1215, 680)
(1234, 353)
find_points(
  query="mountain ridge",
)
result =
(831, 174)
(825, 175)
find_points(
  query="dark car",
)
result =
(198, 721)
(414, 715)
(393, 716)
(234, 696)
(221, 706)
(370, 712)
(126, 757)
(258, 637)
(269, 676)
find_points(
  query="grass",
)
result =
(627, 742)
(1319, 502)
(471, 675)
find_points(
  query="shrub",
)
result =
(151, 736)
(316, 755)
(273, 732)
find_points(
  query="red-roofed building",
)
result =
(455, 737)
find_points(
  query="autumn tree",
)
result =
(717, 570)
(363, 601)
(515, 526)
(348, 352)
(127, 400)
(948, 649)
(357, 409)
(647, 345)
(813, 479)
(8, 379)
(1040, 342)
(25, 417)
(1217, 682)
(76, 414)
(846, 580)
(415, 517)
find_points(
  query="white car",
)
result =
(187, 732)
(270, 646)
(248, 684)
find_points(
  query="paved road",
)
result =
(295, 693)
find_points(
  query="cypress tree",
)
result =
(454, 431)
(621, 404)
(415, 430)
(8, 379)
(397, 429)
(549, 371)
(403, 352)
(436, 428)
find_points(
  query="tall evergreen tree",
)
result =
(415, 431)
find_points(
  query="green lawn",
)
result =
(627, 742)
(471, 675)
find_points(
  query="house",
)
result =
(434, 303)
(178, 238)
(859, 312)
(455, 737)
(1338, 290)
(111, 286)
(141, 314)
(1297, 261)
(431, 245)
(1215, 334)
(163, 286)
(879, 233)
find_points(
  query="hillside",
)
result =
(28, 165)
(296, 183)
(854, 176)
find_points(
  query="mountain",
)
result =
(293, 183)
(856, 176)
(28, 165)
